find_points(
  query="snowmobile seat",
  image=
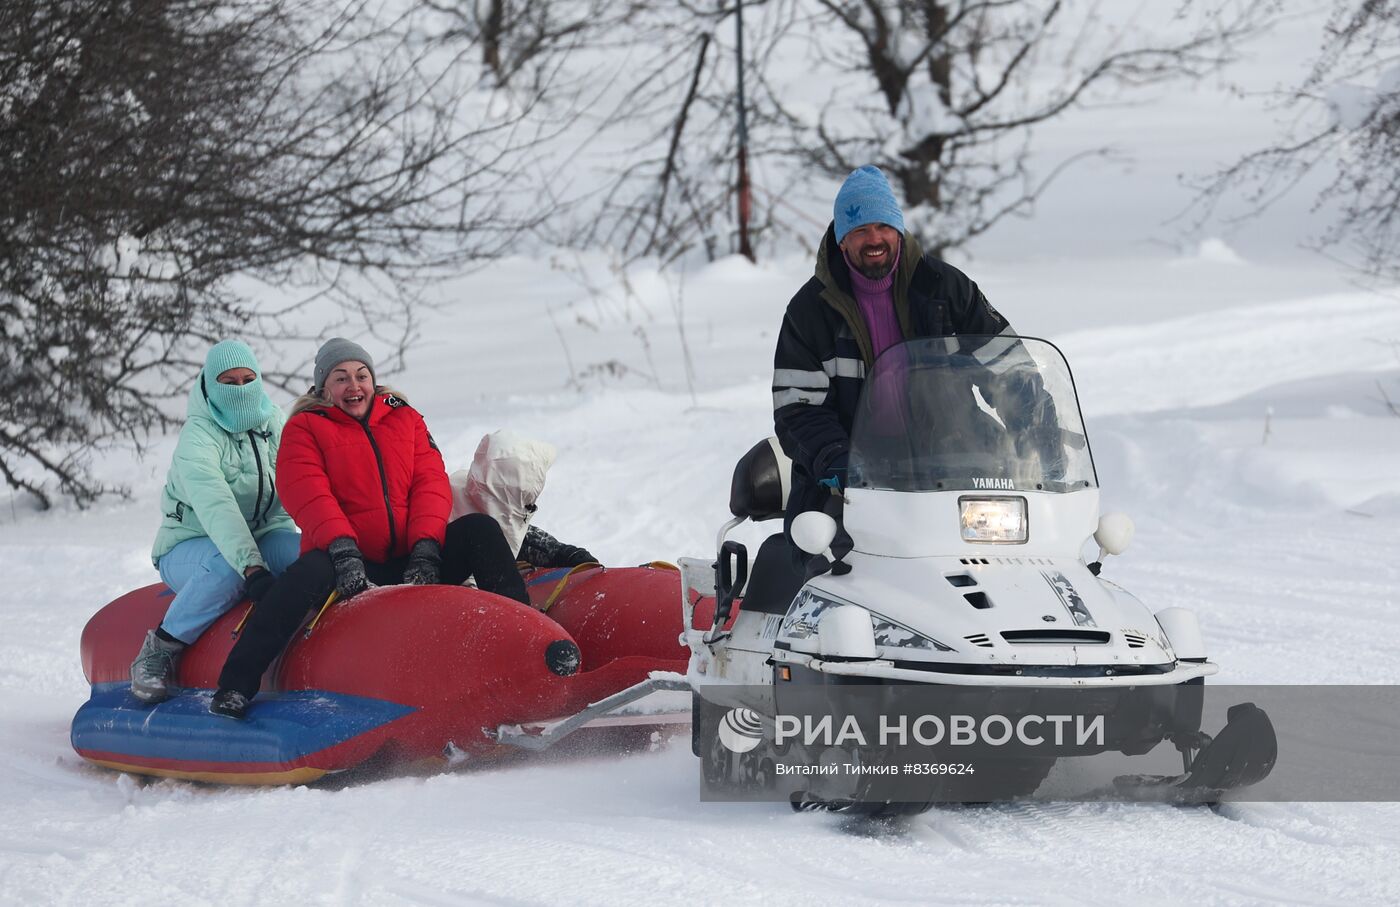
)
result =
(762, 478)
(776, 577)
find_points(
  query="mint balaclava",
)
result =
(866, 198)
(235, 407)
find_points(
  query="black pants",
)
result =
(474, 547)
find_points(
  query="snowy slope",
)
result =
(1285, 547)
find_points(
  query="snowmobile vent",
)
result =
(961, 579)
(978, 600)
(1135, 640)
(979, 639)
(974, 560)
(1056, 637)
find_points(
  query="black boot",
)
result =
(229, 704)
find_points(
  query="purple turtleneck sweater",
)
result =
(876, 301)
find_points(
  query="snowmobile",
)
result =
(952, 561)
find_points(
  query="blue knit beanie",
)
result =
(866, 198)
(236, 408)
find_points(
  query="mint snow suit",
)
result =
(222, 514)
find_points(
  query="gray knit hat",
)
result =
(335, 351)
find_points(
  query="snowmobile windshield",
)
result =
(972, 412)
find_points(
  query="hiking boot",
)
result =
(229, 704)
(153, 671)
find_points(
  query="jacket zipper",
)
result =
(271, 479)
(257, 505)
(384, 486)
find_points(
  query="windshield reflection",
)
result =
(986, 413)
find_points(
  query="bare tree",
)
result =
(1345, 115)
(671, 130)
(944, 95)
(647, 89)
(524, 40)
(150, 150)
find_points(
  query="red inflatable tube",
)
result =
(397, 675)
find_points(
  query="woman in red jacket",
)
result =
(362, 478)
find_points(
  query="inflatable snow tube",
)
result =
(604, 610)
(398, 675)
(608, 611)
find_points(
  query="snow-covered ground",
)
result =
(1238, 400)
(1284, 544)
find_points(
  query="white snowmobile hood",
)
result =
(504, 481)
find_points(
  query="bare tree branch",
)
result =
(1346, 133)
(960, 81)
(152, 150)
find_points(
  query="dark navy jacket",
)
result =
(824, 351)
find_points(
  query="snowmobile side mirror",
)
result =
(1114, 533)
(812, 531)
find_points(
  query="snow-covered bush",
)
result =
(150, 150)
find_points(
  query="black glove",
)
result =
(349, 563)
(1051, 450)
(540, 549)
(424, 563)
(256, 584)
(1021, 401)
(576, 557)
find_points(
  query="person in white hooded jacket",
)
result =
(504, 481)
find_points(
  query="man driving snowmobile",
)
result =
(874, 287)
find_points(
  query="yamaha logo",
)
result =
(740, 730)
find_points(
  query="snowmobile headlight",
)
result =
(993, 519)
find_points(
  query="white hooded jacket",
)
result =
(504, 481)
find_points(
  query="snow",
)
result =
(1284, 547)
(1239, 403)
(1351, 105)
(1215, 249)
(922, 112)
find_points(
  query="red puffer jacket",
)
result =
(381, 482)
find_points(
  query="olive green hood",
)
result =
(834, 274)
